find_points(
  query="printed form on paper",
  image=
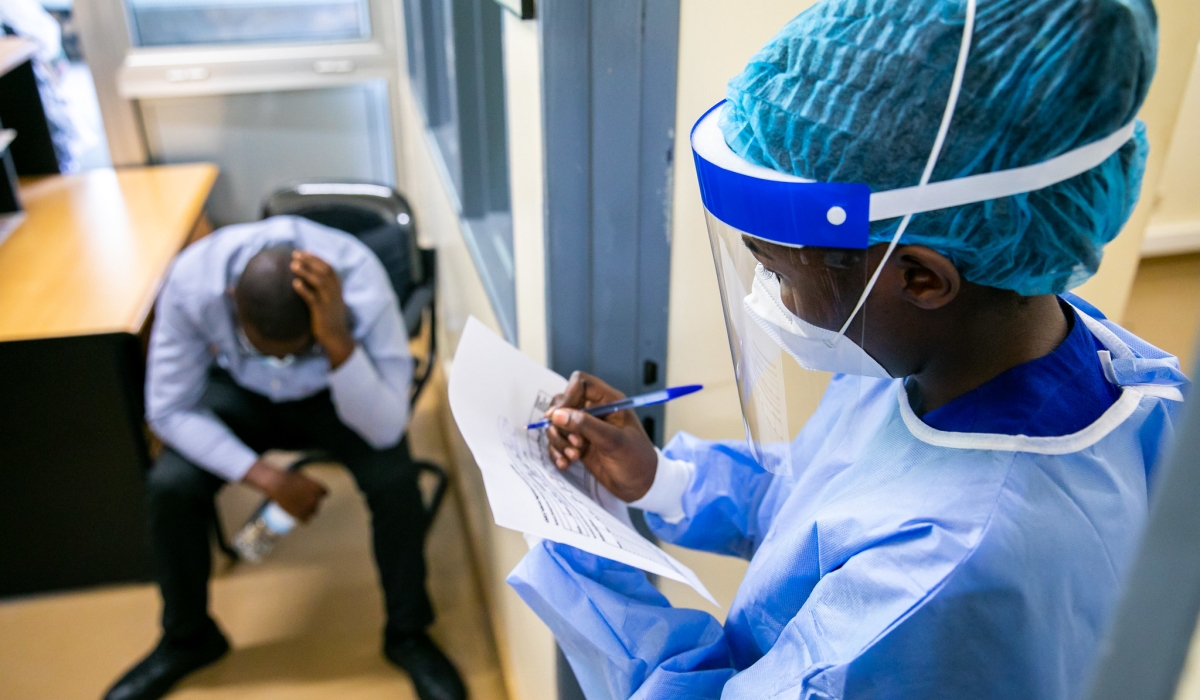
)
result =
(495, 391)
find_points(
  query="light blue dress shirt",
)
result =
(195, 327)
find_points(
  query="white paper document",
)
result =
(495, 391)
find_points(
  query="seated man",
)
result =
(281, 334)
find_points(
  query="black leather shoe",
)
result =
(154, 675)
(432, 673)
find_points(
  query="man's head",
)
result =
(275, 319)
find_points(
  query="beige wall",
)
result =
(1164, 303)
(1178, 199)
(525, 645)
(1164, 306)
(522, 65)
(1175, 224)
(1178, 35)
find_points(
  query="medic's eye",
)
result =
(843, 259)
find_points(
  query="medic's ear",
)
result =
(931, 281)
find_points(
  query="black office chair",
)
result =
(381, 218)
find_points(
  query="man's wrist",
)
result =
(648, 477)
(263, 477)
(338, 350)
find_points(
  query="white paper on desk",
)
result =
(495, 391)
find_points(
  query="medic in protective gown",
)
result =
(912, 562)
(973, 551)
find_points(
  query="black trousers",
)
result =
(181, 506)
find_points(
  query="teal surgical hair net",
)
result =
(854, 90)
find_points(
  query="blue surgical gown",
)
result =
(905, 561)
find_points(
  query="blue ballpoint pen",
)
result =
(650, 399)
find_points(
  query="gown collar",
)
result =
(1057, 394)
(1057, 404)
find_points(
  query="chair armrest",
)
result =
(418, 301)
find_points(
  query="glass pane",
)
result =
(262, 141)
(181, 22)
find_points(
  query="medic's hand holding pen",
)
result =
(614, 447)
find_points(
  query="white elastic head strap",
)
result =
(960, 69)
(926, 197)
(999, 184)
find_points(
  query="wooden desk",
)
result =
(78, 279)
(93, 249)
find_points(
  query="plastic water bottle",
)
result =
(262, 531)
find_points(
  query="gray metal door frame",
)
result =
(609, 79)
(609, 75)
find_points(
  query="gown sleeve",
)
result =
(731, 502)
(621, 636)
(721, 504)
(624, 640)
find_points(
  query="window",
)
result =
(184, 22)
(264, 140)
(455, 62)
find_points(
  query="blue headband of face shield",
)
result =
(772, 205)
(791, 211)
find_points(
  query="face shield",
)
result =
(792, 267)
(795, 272)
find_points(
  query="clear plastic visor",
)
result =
(785, 308)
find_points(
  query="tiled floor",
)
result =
(304, 624)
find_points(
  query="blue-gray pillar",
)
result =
(609, 78)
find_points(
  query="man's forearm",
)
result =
(374, 408)
(205, 441)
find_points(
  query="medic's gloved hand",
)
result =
(614, 448)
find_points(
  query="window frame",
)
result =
(456, 69)
(137, 40)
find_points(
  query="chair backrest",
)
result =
(377, 214)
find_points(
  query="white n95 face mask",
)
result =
(278, 363)
(815, 348)
(270, 361)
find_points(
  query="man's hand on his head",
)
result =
(318, 284)
(293, 491)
